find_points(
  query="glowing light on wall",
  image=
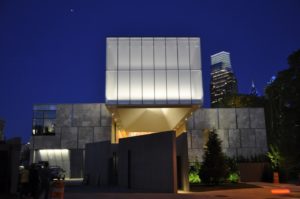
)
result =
(55, 157)
(153, 71)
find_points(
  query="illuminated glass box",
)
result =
(149, 70)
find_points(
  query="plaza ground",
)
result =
(75, 190)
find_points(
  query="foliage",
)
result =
(282, 114)
(232, 170)
(233, 177)
(194, 173)
(213, 168)
(194, 177)
(232, 165)
(256, 158)
(241, 100)
(275, 157)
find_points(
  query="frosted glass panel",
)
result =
(147, 53)
(160, 86)
(135, 54)
(172, 86)
(171, 53)
(148, 86)
(197, 91)
(123, 87)
(123, 53)
(183, 53)
(195, 53)
(136, 86)
(147, 70)
(159, 53)
(185, 86)
(112, 54)
(111, 86)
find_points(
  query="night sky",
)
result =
(53, 51)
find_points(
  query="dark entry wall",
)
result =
(148, 163)
(98, 163)
(182, 162)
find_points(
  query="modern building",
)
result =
(152, 84)
(253, 90)
(151, 121)
(223, 80)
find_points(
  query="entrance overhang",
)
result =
(151, 118)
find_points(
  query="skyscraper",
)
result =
(253, 90)
(223, 81)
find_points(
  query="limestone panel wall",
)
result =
(77, 125)
(242, 131)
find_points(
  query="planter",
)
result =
(251, 171)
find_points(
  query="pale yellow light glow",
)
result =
(151, 119)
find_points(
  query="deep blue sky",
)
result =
(53, 51)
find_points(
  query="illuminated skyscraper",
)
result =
(223, 81)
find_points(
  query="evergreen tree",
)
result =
(213, 168)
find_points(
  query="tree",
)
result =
(213, 169)
(241, 100)
(282, 111)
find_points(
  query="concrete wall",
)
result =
(145, 163)
(97, 168)
(242, 131)
(76, 125)
(148, 163)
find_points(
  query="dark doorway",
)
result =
(113, 170)
(179, 176)
(76, 163)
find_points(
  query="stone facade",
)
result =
(77, 125)
(242, 131)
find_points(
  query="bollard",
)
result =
(275, 178)
(57, 190)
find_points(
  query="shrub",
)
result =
(194, 173)
(194, 177)
(233, 175)
(213, 168)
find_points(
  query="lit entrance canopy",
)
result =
(145, 76)
(150, 119)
